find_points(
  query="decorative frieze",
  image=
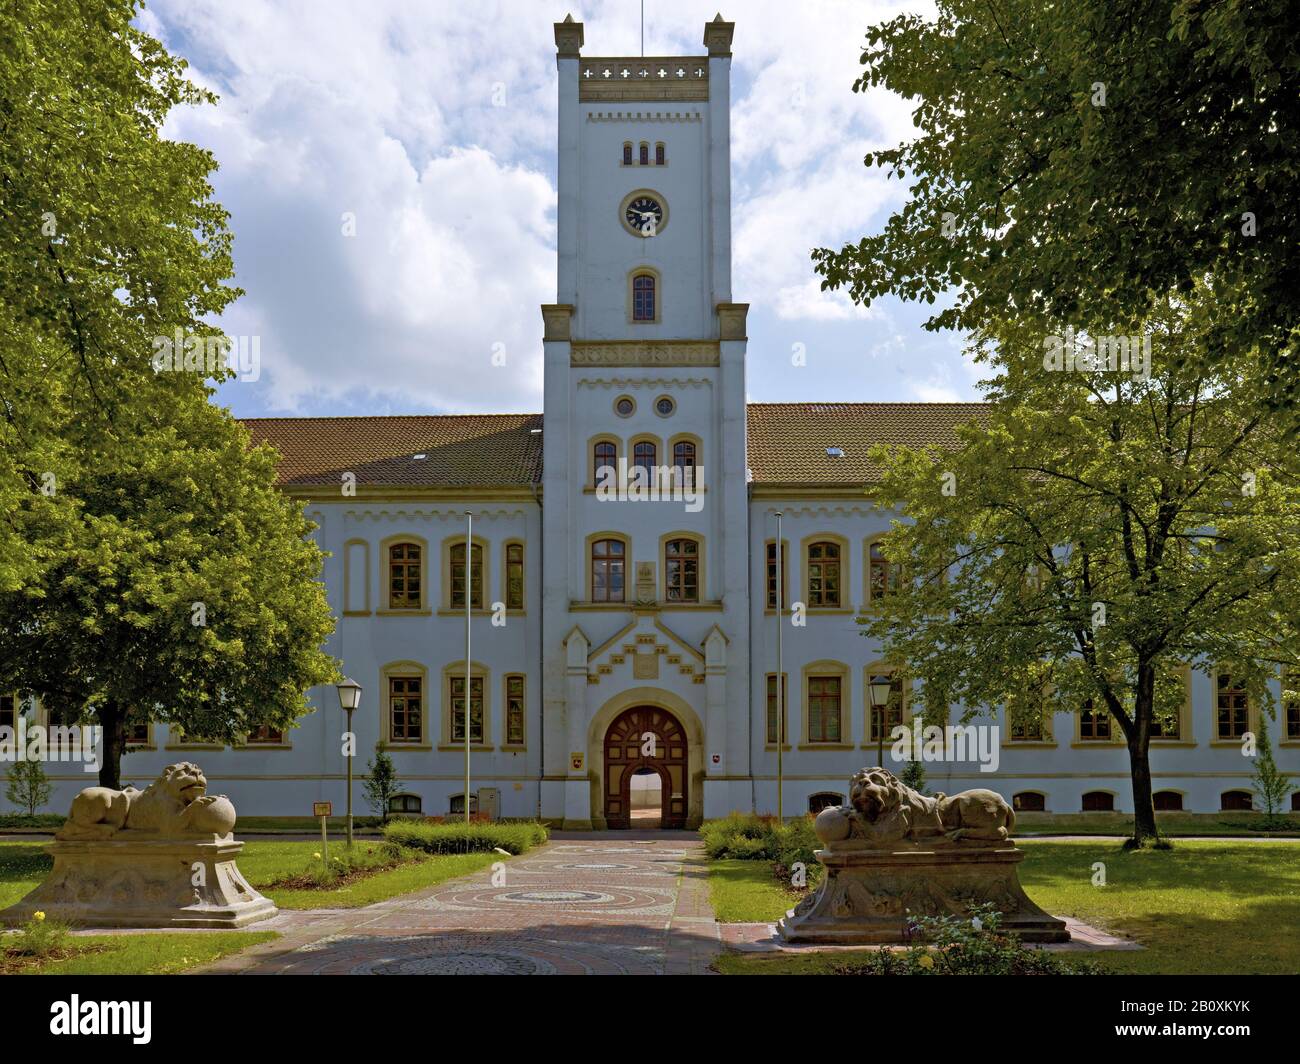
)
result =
(644, 79)
(644, 353)
(645, 116)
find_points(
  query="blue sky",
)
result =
(432, 126)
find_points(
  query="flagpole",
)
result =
(469, 599)
(780, 674)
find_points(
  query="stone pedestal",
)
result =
(145, 882)
(868, 894)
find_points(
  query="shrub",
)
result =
(39, 937)
(40, 820)
(319, 873)
(457, 837)
(749, 837)
(975, 945)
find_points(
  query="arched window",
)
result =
(405, 803)
(883, 575)
(627, 153)
(824, 575)
(604, 456)
(456, 805)
(646, 456)
(645, 154)
(1242, 801)
(1167, 801)
(405, 709)
(608, 560)
(1099, 802)
(404, 576)
(682, 570)
(458, 580)
(823, 800)
(685, 461)
(643, 297)
(1028, 802)
(660, 154)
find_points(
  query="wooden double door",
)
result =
(639, 739)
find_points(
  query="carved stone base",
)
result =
(145, 882)
(868, 895)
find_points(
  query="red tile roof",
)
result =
(788, 444)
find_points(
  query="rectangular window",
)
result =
(265, 734)
(1233, 708)
(771, 709)
(1094, 723)
(771, 576)
(458, 577)
(682, 570)
(515, 576)
(1025, 716)
(404, 576)
(514, 710)
(458, 709)
(405, 709)
(1291, 703)
(884, 575)
(8, 711)
(824, 576)
(823, 709)
(892, 714)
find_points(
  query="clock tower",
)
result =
(644, 375)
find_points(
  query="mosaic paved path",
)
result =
(630, 903)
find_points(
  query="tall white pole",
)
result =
(780, 673)
(469, 599)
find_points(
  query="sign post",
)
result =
(324, 810)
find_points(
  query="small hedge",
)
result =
(479, 837)
(749, 837)
(40, 820)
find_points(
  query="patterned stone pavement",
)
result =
(623, 903)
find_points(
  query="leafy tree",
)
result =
(1093, 532)
(913, 775)
(381, 781)
(147, 561)
(1077, 161)
(1272, 786)
(28, 786)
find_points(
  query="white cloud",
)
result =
(388, 110)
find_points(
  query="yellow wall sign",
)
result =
(322, 808)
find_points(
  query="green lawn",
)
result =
(160, 954)
(1201, 908)
(24, 864)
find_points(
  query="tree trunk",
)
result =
(113, 720)
(1144, 810)
(1139, 756)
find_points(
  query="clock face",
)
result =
(644, 215)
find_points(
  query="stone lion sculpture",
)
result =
(176, 804)
(884, 810)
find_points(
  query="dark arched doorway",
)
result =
(640, 739)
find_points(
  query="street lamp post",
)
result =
(349, 699)
(881, 689)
